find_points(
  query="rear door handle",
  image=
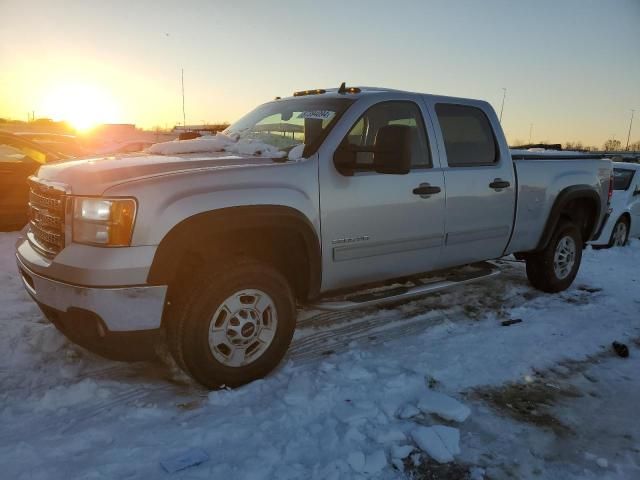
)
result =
(498, 183)
(424, 190)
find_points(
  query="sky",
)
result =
(571, 68)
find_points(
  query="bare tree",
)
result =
(612, 145)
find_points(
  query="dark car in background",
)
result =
(19, 158)
(65, 146)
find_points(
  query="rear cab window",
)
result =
(468, 137)
(622, 178)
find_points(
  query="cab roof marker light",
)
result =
(302, 93)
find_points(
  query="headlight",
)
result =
(103, 221)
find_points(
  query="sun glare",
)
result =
(83, 106)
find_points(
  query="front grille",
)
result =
(46, 217)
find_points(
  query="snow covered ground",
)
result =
(362, 394)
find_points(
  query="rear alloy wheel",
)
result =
(233, 324)
(620, 233)
(554, 268)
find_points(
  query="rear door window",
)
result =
(468, 136)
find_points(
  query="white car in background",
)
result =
(623, 221)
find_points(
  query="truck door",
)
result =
(378, 226)
(480, 197)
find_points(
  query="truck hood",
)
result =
(92, 176)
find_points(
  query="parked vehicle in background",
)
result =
(65, 146)
(19, 159)
(307, 200)
(623, 219)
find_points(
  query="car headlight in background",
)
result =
(103, 221)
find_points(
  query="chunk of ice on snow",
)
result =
(444, 406)
(375, 462)
(356, 460)
(355, 414)
(439, 442)
(408, 411)
(186, 459)
(401, 451)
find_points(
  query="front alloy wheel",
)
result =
(231, 323)
(243, 327)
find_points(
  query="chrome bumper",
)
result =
(121, 308)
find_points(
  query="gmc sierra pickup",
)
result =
(211, 244)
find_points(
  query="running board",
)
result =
(402, 293)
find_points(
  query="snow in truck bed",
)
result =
(371, 394)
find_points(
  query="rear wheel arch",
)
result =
(274, 234)
(579, 204)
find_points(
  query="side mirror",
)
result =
(345, 160)
(392, 150)
(391, 153)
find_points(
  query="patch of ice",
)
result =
(444, 406)
(65, 396)
(439, 442)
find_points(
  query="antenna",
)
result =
(184, 117)
(630, 124)
(343, 88)
(504, 94)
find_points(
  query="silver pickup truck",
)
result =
(339, 198)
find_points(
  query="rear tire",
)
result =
(233, 324)
(620, 233)
(554, 268)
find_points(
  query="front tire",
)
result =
(232, 325)
(620, 233)
(554, 268)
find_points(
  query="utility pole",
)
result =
(530, 130)
(629, 134)
(184, 117)
(504, 94)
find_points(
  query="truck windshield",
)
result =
(622, 178)
(285, 124)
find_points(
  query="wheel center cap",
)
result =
(248, 329)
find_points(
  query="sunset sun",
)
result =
(83, 106)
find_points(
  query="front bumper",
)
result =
(119, 309)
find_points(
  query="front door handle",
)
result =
(498, 183)
(425, 190)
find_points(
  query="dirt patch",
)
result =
(531, 401)
(428, 469)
